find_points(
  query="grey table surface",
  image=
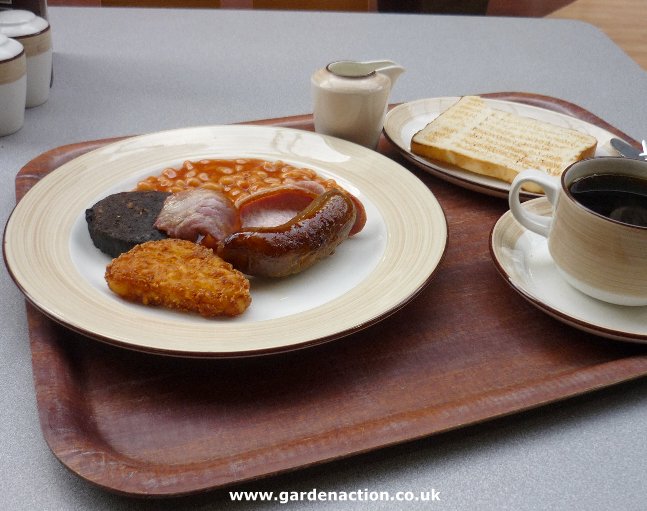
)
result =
(129, 71)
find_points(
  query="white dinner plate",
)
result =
(50, 256)
(403, 121)
(523, 260)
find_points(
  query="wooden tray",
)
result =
(467, 349)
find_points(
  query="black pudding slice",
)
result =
(123, 220)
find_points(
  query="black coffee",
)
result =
(621, 198)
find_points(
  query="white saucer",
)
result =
(523, 260)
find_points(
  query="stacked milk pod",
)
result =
(25, 66)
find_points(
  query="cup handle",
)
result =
(532, 221)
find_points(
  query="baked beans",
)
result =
(237, 178)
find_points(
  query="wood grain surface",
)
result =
(624, 21)
(530, 8)
(466, 350)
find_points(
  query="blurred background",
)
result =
(622, 20)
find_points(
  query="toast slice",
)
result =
(475, 137)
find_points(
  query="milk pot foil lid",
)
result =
(9, 49)
(19, 23)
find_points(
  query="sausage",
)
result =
(292, 247)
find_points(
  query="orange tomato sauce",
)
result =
(237, 178)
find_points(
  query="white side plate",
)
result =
(403, 121)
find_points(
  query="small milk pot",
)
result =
(350, 99)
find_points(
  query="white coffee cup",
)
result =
(596, 251)
(35, 34)
(13, 85)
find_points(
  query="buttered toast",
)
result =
(475, 137)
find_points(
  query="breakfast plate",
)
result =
(523, 260)
(404, 120)
(51, 258)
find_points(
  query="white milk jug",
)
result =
(351, 98)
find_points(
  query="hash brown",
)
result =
(180, 275)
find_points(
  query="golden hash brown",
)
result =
(180, 275)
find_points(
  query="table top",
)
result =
(130, 71)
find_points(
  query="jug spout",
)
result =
(392, 71)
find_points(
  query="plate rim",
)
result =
(579, 323)
(465, 181)
(439, 245)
